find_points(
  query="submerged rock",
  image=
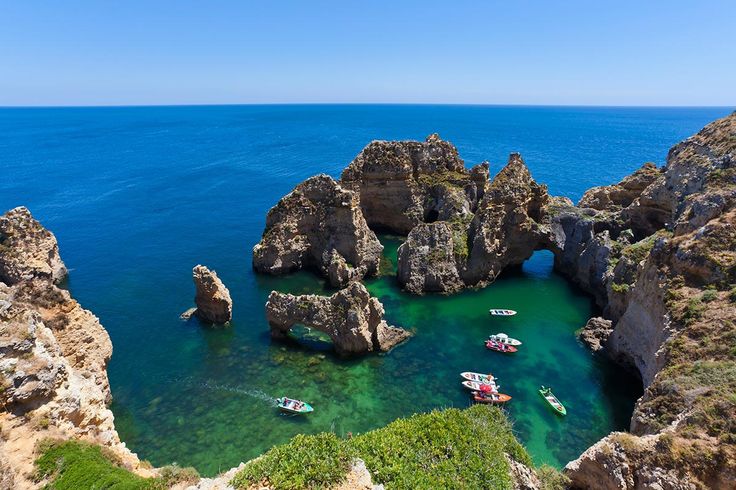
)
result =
(351, 317)
(213, 298)
(27, 249)
(318, 225)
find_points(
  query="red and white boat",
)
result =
(499, 347)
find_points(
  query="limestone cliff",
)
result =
(666, 281)
(351, 317)
(319, 225)
(53, 355)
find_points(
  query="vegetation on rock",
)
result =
(442, 449)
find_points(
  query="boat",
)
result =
(552, 400)
(478, 377)
(475, 386)
(504, 339)
(499, 347)
(293, 406)
(490, 397)
(501, 312)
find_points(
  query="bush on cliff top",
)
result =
(442, 449)
(76, 465)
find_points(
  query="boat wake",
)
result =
(253, 393)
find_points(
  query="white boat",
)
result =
(478, 377)
(502, 338)
(483, 387)
(501, 312)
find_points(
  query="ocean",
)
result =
(139, 195)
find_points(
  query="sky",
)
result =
(471, 52)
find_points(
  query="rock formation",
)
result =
(53, 355)
(28, 250)
(404, 183)
(351, 317)
(319, 225)
(665, 275)
(213, 298)
(470, 250)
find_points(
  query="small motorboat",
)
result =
(499, 347)
(552, 400)
(501, 312)
(478, 377)
(502, 338)
(481, 387)
(494, 398)
(293, 406)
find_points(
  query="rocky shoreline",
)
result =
(657, 251)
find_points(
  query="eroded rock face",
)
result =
(618, 196)
(595, 333)
(472, 249)
(53, 356)
(709, 155)
(318, 225)
(27, 249)
(507, 226)
(212, 298)
(668, 296)
(404, 183)
(615, 463)
(427, 260)
(351, 317)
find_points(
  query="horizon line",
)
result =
(264, 104)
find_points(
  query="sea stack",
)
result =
(213, 298)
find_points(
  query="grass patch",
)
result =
(442, 449)
(76, 465)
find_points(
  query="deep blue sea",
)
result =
(138, 195)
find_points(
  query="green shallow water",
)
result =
(230, 416)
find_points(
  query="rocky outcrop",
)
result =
(53, 355)
(618, 196)
(351, 317)
(670, 299)
(430, 257)
(595, 333)
(28, 250)
(319, 226)
(405, 183)
(471, 250)
(507, 227)
(212, 298)
(707, 157)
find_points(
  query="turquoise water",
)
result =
(138, 196)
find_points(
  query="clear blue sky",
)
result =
(485, 52)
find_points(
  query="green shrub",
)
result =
(732, 295)
(76, 465)
(442, 449)
(304, 462)
(172, 474)
(709, 295)
(693, 311)
(619, 288)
